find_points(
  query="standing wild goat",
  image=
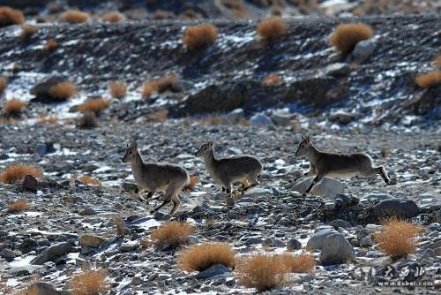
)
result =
(337, 165)
(157, 177)
(227, 171)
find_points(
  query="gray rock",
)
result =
(363, 50)
(27, 245)
(272, 242)
(377, 197)
(343, 117)
(53, 252)
(366, 242)
(30, 183)
(91, 241)
(336, 250)
(7, 253)
(361, 232)
(337, 69)
(213, 271)
(236, 115)
(260, 120)
(41, 288)
(281, 118)
(318, 239)
(88, 211)
(253, 240)
(328, 187)
(397, 207)
(257, 191)
(293, 244)
(340, 223)
(44, 148)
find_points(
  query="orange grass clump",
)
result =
(113, 17)
(14, 107)
(14, 173)
(271, 80)
(160, 85)
(51, 45)
(171, 234)
(50, 120)
(262, 271)
(272, 28)
(89, 180)
(28, 30)
(192, 183)
(3, 84)
(74, 17)
(429, 80)
(346, 36)
(62, 90)
(90, 283)
(398, 238)
(93, 105)
(159, 116)
(202, 256)
(299, 263)
(120, 225)
(199, 36)
(10, 16)
(18, 206)
(118, 89)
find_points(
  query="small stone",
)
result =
(396, 208)
(7, 253)
(340, 223)
(336, 250)
(260, 120)
(377, 197)
(337, 69)
(366, 242)
(230, 202)
(272, 242)
(293, 244)
(42, 288)
(27, 245)
(88, 211)
(281, 118)
(363, 50)
(213, 271)
(30, 183)
(91, 241)
(253, 240)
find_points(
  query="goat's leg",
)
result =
(380, 170)
(176, 204)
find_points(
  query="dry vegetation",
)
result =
(201, 257)
(14, 173)
(167, 83)
(95, 105)
(50, 119)
(261, 271)
(10, 16)
(299, 263)
(90, 283)
(118, 89)
(158, 116)
(120, 225)
(429, 80)
(18, 206)
(113, 17)
(51, 45)
(3, 84)
(271, 29)
(74, 17)
(62, 90)
(171, 234)
(199, 36)
(28, 30)
(89, 180)
(346, 36)
(13, 107)
(398, 238)
(272, 79)
(192, 183)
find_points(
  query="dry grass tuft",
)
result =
(120, 225)
(14, 107)
(89, 180)
(74, 16)
(167, 83)
(114, 17)
(171, 234)
(14, 173)
(199, 36)
(200, 257)
(159, 116)
(3, 84)
(118, 89)
(62, 90)
(10, 16)
(95, 105)
(18, 206)
(429, 80)
(51, 45)
(398, 238)
(192, 183)
(262, 271)
(346, 36)
(300, 263)
(437, 61)
(28, 30)
(271, 29)
(90, 283)
(50, 120)
(272, 79)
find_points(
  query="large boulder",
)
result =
(52, 253)
(335, 248)
(395, 208)
(328, 187)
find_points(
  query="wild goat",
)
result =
(157, 177)
(337, 165)
(227, 171)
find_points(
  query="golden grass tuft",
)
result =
(28, 30)
(199, 36)
(10, 16)
(89, 180)
(158, 116)
(13, 107)
(437, 61)
(14, 173)
(298, 263)
(114, 17)
(261, 271)
(118, 89)
(3, 84)
(272, 79)
(18, 206)
(398, 238)
(49, 120)
(90, 283)
(62, 90)
(120, 225)
(74, 16)
(51, 45)
(429, 80)
(202, 256)
(346, 36)
(166, 83)
(271, 29)
(171, 234)
(95, 105)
